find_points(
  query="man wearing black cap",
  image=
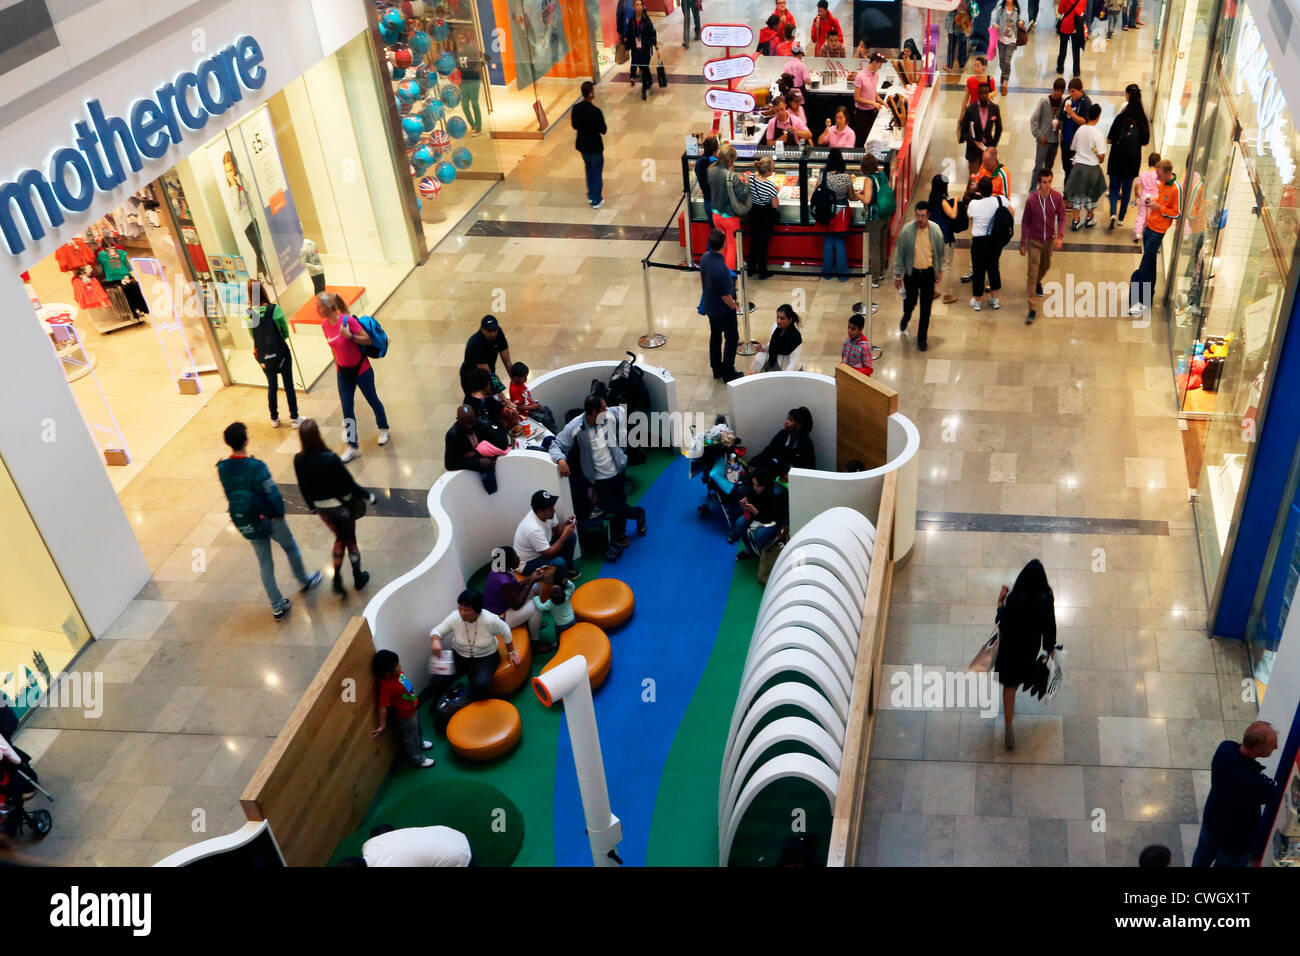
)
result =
(461, 450)
(541, 540)
(482, 350)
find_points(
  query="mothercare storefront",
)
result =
(150, 167)
(1225, 122)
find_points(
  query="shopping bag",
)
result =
(661, 74)
(1055, 672)
(987, 656)
(540, 113)
(620, 53)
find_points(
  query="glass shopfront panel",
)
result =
(303, 192)
(41, 629)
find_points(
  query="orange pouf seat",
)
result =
(484, 730)
(605, 602)
(509, 679)
(592, 643)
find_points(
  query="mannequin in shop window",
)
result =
(115, 269)
(310, 258)
(239, 206)
(270, 334)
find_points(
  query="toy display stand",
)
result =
(58, 318)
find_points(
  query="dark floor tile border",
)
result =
(561, 230)
(1043, 90)
(389, 502)
(1035, 524)
(1088, 247)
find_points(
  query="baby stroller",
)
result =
(719, 458)
(17, 785)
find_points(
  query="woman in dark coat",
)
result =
(639, 37)
(329, 490)
(1129, 133)
(791, 447)
(1026, 620)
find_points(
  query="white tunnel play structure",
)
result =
(802, 656)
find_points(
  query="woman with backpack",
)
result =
(835, 255)
(986, 244)
(878, 205)
(334, 495)
(271, 349)
(347, 339)
(945, 213)
(1129, 133)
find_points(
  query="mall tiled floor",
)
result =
(1070, 417)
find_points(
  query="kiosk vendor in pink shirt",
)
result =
(866, 101)
(785, 121)
(841, 134)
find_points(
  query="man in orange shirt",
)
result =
(1161, 213)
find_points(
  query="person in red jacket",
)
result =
(1073, 29)
(824, 26)
(787, 18)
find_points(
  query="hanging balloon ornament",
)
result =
(432, 113)
(424, 156)
(402, 55)
(457, 127)
(420, 43)
(429, 187)
(445, 63)
(445, 172)
(450, 96)
(440, 140)
(393, 21)
(409, 91)
(454, 77)
(425, 77)
(398, 73)
(441, 31)
(412, 126)
(462, 157)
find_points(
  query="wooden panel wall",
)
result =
(319, 777)
(851, 798)
(862, 410)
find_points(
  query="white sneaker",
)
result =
(995, 303)
(426, 744)
(598, 204)
(1136, 309)
(297, 421)
(275, 423)
(383, 436)
(975, 303)
(351, 453)
(426, 763)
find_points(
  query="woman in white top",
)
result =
(785, 347)
(984, 254)
(1086, 182)
(473, 634)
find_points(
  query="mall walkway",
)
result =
(1068, 417)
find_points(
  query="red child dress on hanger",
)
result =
(88, 293)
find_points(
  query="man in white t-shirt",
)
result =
(413, 846)
(542, 540)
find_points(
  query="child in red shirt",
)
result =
(396, 691)
(522, 396)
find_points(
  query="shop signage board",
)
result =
(1254, 76)
(721, 98)
(726, 34)
(728, 68)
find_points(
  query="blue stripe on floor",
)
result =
(680, 573)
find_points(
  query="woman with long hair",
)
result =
(640, 39)
(1129, 134)
(728, 191)
(346, 339)
(782, 351)
(791, 447)
(943, 212)
(1026, 619)
(835, 254)
(763, 215)
(332, 493)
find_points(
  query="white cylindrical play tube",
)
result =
(569, 682)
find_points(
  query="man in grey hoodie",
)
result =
(1044, 127)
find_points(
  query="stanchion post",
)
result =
(747, 345)
(686, 221)
(651, 339)
(866, 308)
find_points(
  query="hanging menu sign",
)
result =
(721, 98)
(728, 68)
(726, 34)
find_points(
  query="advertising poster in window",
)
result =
(272, 188)
(537, 36)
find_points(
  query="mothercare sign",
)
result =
(105, 146)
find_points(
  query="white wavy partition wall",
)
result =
(800, 766)
(468, 523)
(799, 730)
(568, 387)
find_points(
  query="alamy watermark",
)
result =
(922, 688)
(73, 690)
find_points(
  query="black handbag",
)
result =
(661, 74)
(356, 506)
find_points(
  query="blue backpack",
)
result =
(378, 346)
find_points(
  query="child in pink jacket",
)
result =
(1145, 188)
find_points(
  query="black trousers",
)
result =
(1067, 163)
(723, 329)
(984, 256)
(760, 236)
(273, 376)
(318, 282)
(1076, 40)
(647, 75)
(862, 122)
(134, 295)
(480, 671)
(920, 283)
(611, 495)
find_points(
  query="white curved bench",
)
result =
(800, 766)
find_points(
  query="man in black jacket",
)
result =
(589, 122)
(1238, 786)
(981, 125)
(461, 450)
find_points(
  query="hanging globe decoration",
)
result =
(419, 206)
(424, 156)
(445, 172)
(409, 91)
(398, 73)
(420, 43)
(454, 77)
(462, 157)
(402, 55)
(432, 113)
(425, 77)
(445, 63)
(412, 140)
(450, 96)
(441, 31)
(411, 125)
(390, 37)
(393, 21)
(400, 105)
(440, 140)
(429, 187)
(457, 127)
